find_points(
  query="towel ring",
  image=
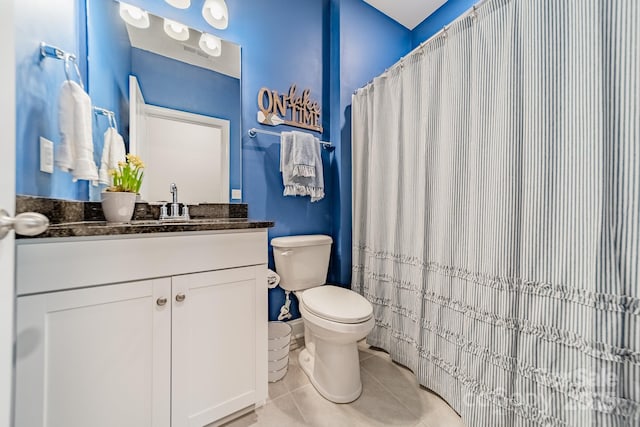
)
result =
(71, 58)
(112, 121)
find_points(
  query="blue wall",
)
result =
(57, 23)
(297, 42)
(447, 13)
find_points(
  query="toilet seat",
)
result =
(336, 304)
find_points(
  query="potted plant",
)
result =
(119, 200)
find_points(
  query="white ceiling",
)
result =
(407, 12)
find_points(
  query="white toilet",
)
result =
(335, 318)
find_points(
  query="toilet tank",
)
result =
(302, 261)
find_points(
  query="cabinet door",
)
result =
(95, 357)
(216, 352)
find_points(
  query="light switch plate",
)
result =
(236, 194)
(46, 155)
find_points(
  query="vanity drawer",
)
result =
(57, 264)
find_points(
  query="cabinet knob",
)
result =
(180, 297)
(161, 301)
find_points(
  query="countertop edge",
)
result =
(99, 229)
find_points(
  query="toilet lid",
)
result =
(337, 304)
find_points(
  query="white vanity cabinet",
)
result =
(176, 337)
(94, 357)
(213, 345)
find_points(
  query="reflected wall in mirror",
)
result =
(174, 75)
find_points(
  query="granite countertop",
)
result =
(102, 228)
(82, 219)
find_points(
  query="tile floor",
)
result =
(391, 397)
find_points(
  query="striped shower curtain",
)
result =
(496, 212)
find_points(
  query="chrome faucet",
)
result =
(175, 207)
(174, 191)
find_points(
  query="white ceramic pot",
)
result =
(118, 206)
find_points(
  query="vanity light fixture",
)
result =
(180, 4)
(210, 44)
(215, 12)
(176, 30)
(134, 16)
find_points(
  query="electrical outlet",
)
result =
(46, 155)
(236, 194)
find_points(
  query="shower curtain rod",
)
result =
(443, 31)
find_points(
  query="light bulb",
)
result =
(215, 12)
(135, 13)
(211, 45)
(180, 4)
(134, 16)
(176, 30)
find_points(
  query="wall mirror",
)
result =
(176, 95)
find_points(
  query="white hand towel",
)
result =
(301, 166)
(75, 153)
(65, 156)
(303, 154)
(112, 153)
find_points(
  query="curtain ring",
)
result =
(445, 35)
(422, 48)
(474, 13)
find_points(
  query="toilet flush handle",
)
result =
(285, 253)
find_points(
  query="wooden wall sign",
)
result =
(291, 109)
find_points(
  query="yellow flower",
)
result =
(128, 176)
(135, 161)
(132, 158)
